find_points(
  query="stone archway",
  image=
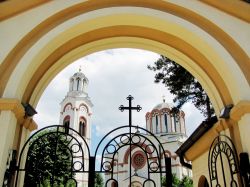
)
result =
(141, 30)
(200, 42)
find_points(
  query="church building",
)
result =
(208, 38)
(169, 128)
(76, 110)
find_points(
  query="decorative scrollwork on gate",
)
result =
(138, 142)
(223, 155)
(55, 154)
(59, 155)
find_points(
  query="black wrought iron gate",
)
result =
(59, 155)
(223, 164)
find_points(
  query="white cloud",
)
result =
(192, 116)
(113, 75)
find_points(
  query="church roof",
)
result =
(80, 74)
(163, 105)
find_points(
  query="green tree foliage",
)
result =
(99, 180)
(176, 182)
(182, 84)
(186, 182)
(49, 161)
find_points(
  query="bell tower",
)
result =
(76, 107)
(76, 110)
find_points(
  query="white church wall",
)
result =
(182, 122)
(153, 125)
(148, 124)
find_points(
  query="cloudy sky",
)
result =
(113, 75)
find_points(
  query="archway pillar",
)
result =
(25, 129)
(14, 130)
(12, 112)
(237, 127)
(240, 113)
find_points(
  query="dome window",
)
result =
(166, 121)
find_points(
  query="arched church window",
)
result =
(67, 107)
(157, 125)
(166, 121)
(66, 124)
(177, 123)
(84, 84)
(71, 84)
(174, 120)
(77, 84)
(113, 184)
(82, 127)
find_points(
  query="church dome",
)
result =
(78, 84)
(80, 75)
(162, 120)
(163, 105)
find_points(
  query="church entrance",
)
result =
(59, 155)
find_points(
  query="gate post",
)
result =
(168, 172)
(245, 168)
(91, 182)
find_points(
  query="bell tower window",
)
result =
(82, 127)
(71, 84)
(77, 84)
(66, 124)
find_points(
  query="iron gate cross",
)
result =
(130, 108)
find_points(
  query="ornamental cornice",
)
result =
(13, 105)
(17, 108)
(30, 124)
(239, 110)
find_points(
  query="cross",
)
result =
(163, 98)
(130, 108)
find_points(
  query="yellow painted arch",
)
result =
(14, 56)
(45, 69)
(127, 42)
(136, 32)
